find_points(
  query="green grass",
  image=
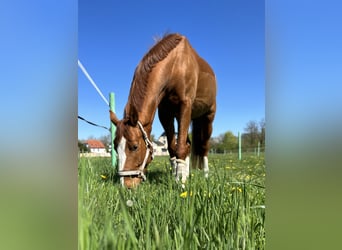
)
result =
(224, 211)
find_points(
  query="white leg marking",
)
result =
(187, 167)
(205, 166)
(182, 170)
(173, 165)
(122, 156)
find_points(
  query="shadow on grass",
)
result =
(158, 176)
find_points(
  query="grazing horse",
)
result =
(174, 79)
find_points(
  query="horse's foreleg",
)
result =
(174, 162)
(183, 147)
(167, 120)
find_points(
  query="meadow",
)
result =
(224, 211)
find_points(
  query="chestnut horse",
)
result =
(175, 79)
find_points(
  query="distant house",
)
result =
(95, 146)
(160, 145)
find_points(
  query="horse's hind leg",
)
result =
(201, 131)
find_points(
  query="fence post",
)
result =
(239, 135)
(112, 127)
(258, 148)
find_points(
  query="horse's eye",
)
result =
(134, 148)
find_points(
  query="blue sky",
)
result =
(229, 35)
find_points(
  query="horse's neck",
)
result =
(146, 109)
(149, 107)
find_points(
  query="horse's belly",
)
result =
(199, 108)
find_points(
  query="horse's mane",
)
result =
(156, 54)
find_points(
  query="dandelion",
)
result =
(205, 194)
(103, 176)
(129, 203)
(237, 189)
(185, 194)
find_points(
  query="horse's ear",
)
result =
(113, 118)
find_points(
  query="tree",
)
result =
(82, 147)
(224, 142)
(214, 143)
(106, 140)
(262, 136)
(254, 134)
(251, 136)
(229, 141)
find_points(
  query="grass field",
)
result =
(224, 211)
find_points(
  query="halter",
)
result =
(149, 150)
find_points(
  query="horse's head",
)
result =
(134, 150)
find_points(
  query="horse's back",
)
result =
(188, 76)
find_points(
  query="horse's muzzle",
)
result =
(131, 182)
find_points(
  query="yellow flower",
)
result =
(205, 194)
(185, 194)
(237, 189)
(103, 177)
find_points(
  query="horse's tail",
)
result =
(197, 148)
